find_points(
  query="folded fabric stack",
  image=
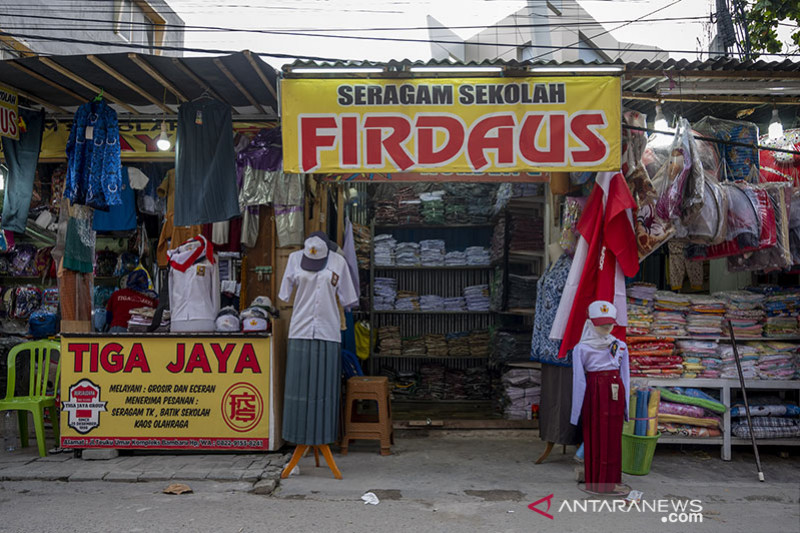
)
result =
(384, 294)
(432, 382)
(522, 291)
(142, 317)
(431, 302)
(479, 343)
(432, 207)
(480, 208)
(524, 190)
(456, 381)
(455, 258)
(435, 344)
(497, 249)
(457, 303)
(700, 358)
(407, 301)
(654, 357)
(477, 384)
(403, 383)
(745, 312)
(511, 346)
(704, 318)
(361, 239)
(386, 211)
(782, 310)
(458, 344)
(496, 289)
(771, 418)
(527, 233)
(669, 316)
(477, 297)
(689, 412)
(640, 300)
(748, 356)
(406, 254)
(385, 250)
(389, 344)
(478, 256)
(408, 205)
(413, 347)
(521, 391)
(432, 252)
(455, 210)
(776, 360)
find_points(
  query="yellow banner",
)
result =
(9, 113)
(172, 392)
(451, 125)
(137, 139)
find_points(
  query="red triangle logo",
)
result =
(548, 499)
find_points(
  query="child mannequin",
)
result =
(600, 384)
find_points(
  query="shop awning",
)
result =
(145, 86)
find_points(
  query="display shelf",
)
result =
(517, 312)
(725, 386)
(423, 268)
(717, 339)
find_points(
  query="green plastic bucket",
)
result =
(637, 453)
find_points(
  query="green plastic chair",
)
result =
(37, 399)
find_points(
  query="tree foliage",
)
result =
(763, 17)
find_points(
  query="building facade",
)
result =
(559, 30)
(41, 27)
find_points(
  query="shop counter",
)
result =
(170, 391)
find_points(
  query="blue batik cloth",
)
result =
(548, 295)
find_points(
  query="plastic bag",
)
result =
(671, 179)
(736, 162)
(710, 224)
(794, 227)
(573, 207)
(777, 257)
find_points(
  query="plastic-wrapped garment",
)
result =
(794, 227)
(737, 162)
(573, 207)
(50, 299)
(289, 225)
(710, 225)
(777, 257)
(780, 166)
(672, 177)
(761, 231)
(26, 300)
(634, 142)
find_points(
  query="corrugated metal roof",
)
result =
(65, 81)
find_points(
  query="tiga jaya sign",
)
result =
(9, 113)
(451, 125)
(165, 392)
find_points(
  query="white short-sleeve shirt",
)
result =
(316, 315)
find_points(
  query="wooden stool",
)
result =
(301, 450)
(375, 388)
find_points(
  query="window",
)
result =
(133, 25)
(525, 52)
(123, 17)
(587, 51)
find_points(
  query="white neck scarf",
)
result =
(591, 337)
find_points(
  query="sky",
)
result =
(342, 17)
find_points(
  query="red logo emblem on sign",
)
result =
(83, 406)
(547, 499)
(242, 407)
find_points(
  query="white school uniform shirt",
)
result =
(315, 315)
(585, 358)
(194, 287)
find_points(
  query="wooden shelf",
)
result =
(469, 267)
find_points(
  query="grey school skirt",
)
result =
(312, 391)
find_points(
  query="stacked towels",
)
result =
(745, 310)
(521, 391)
(782, 313)
(668, 318)
(477, 256)
(407, 254)
(389, 344)
(700, 358)
(704, 318)
(431, 302)
(654, 357)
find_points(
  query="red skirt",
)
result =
(602, 430)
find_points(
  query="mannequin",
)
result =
(600, 385)
(313, 362)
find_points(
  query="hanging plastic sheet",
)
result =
(794, 227)
(736, 162)
(289, 225)
(780, 166)
(777, 257)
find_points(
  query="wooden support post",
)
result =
(153, 73)
(45, 79)
(249, 55)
